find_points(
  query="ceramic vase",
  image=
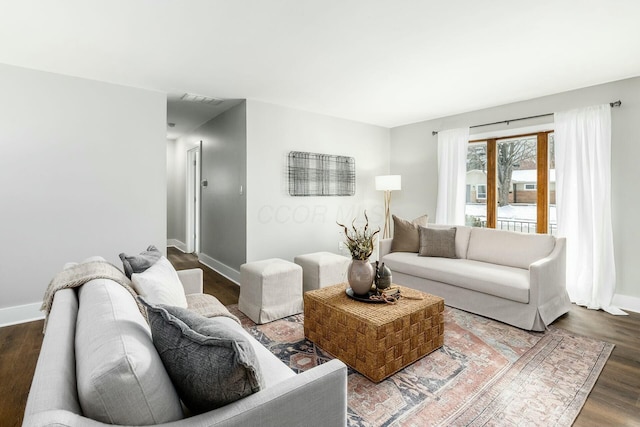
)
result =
(384, 277)
(360, 276)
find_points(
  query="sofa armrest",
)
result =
(548, 280)
(54, 382)
(191, 280)
(384, 247)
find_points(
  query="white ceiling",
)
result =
(382, 62)
(187, 116)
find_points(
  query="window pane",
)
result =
(553, 221)
(476, 206)
(517, 178)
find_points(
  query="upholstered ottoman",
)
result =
(270, 289)
(320, 269)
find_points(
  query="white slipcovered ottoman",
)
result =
(270, 290)
(322, 269)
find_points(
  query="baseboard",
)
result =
(20, 314)
(223, 269)
(177, 244)
(626, 302)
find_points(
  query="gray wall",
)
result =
(414, 156)
(82, 173)
(223, 219)
(279, 225)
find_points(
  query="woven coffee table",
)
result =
(376, 340)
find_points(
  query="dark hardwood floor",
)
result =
(215, 284)
(614, 401)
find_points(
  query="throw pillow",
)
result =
(139, 263)
(406, 236)
(438, 243)
(160, 284)
(209, 364)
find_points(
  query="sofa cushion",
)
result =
(160, 284)
(498, 280)
(120, 377)
(508, 247)
(139, 263)
(209, 363)
(406, 237)
(437, 243)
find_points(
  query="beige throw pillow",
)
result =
(406, 237)
(437, 243)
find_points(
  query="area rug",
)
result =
(486, 374)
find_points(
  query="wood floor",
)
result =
(614, 401)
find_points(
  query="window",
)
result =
(476, 207)
(481, 191)
(511, 182)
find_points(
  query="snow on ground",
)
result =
(519, 212)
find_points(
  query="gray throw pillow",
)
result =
(406, 236)
(209, 364)
(139, 263)
(438, 243)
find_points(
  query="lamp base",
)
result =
(387, 216)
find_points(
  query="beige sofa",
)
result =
(314, 397)
(512, 277)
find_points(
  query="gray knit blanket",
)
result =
(80, 274)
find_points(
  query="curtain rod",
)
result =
(612, 104)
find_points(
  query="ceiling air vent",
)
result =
(201, 99)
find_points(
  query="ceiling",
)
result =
(183, 116)
(387, 63)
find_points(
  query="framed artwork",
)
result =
(313, 174)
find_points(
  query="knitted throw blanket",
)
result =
(80, 274)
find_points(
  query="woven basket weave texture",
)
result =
(376, 340)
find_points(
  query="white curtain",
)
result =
(452, 173)
(583, 203)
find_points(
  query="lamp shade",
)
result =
(388, 182)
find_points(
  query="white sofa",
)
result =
(315, 397)
(512, 277)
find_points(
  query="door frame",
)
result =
(193, 170)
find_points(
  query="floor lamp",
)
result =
(388, 183)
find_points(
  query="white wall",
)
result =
(82, 173)
(279, 225)
(177, 189)
(414, 156)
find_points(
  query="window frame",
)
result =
(478, 191)
(542, 159)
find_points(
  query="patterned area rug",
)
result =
(486, 374)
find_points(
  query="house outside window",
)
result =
(510, 183)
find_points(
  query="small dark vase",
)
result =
(383, 279)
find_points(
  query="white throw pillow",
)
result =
(160, 284)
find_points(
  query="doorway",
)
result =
(193, 200)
